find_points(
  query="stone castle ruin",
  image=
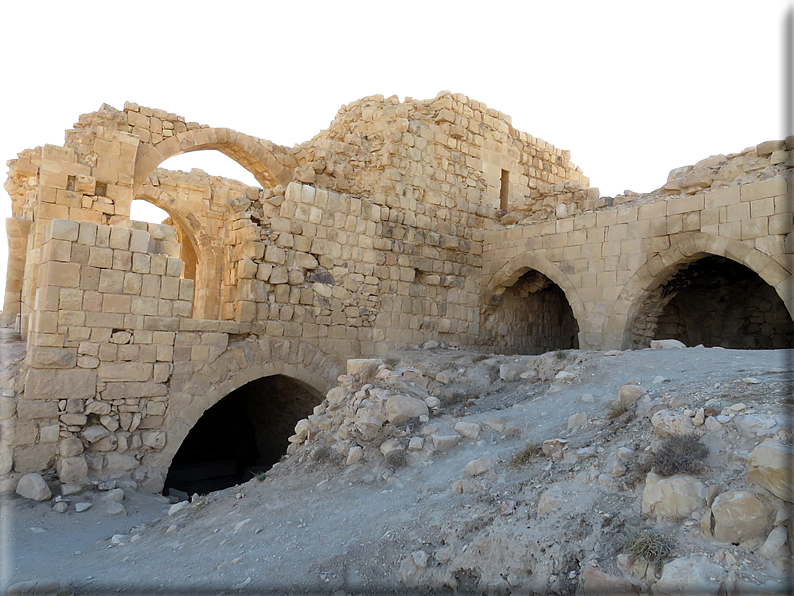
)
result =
(149, 347)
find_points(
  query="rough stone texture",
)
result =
(690, 575)
(672, 498)
(32, 486)
(401, 408)
(667, 423)
(740, 515)
(771, 467)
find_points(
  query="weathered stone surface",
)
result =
(667, 423)
(740, 515)
(598, 583)
(672, 498)
(690, 575)
(401, 408)
(73, 470)
(753, 426)
(390, 447)
(32, 486)
(629, 394)
(468, 430)
(479, 466)
(664, 344)
(577, 420)
(94, 433)
(49, 383)
(444, 442)
(363, 366)
(549, 502)
(772, 467)
(511, 371)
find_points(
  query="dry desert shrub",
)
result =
(651, 545)
(525, 455)
(680, 454)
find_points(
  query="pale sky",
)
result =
(632, 89)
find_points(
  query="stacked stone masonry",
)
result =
(404, 222)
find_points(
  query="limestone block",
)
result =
(70, 447)
(61, 229)
(120, 462)
(47, 383)
(690, 575)
(549, 502)
(32, 486)
(155, 439)
(629, 394)
(125, 371)
(73, 470)
(401, 408)
(667, 423)
(444, 442)
(8, 408)
(362, 366)
(390, 448)
(468, 430)
(32, 410)
(479, 466)
(772, 467)
(672, 498)
(740, 515)
(94, 433)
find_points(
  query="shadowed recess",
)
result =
(243, 434)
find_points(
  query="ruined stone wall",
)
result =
(384, 231)
(611, 259)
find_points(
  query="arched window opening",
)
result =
(142, 210)
(243, 434)
(531, 317)
(714, 302)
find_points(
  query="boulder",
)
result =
(73, 470)
(390, 448)
(690, 575)
(444, 442)
(469, 430)
(479, 466)
(753, 426)
(667, 423)
(577, 420)
(598, 583)
(355, 455)
(401, 408)
(774, 546)
(32, 486)
(672, 498)
(740, 515)
(512, 371)
(772, 467)
(629, 394)
(363, 366)
(664, 344)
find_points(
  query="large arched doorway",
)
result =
(532, 316)
(713, 301)
(242, 434)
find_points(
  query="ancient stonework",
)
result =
(402, 223)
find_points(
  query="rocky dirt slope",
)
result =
(456, 472)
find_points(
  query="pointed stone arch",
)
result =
(512, 270)
(269, 166)
(683, 249)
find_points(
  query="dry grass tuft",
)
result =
(651, 545)
(680, 454)
(525, 455)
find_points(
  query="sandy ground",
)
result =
(329, 528)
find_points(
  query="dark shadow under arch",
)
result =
(530, 317)
(713, 301)
(242, 434)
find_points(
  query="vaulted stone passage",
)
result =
(715, 302)
(244, 433)
(531, 317)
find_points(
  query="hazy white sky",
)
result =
(632, 89)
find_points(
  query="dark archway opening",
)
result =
(243, 434)
(715, 302)
(531, 317)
